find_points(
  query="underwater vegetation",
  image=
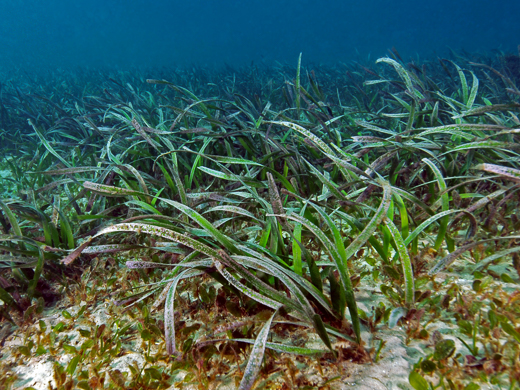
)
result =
(223, 224)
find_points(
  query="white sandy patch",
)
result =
(122, 363)
(37, 374)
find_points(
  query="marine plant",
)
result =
(263, 200)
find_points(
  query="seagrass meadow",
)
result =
(282, 227)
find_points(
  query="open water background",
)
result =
(129, 33)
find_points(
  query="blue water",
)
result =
(64, 33)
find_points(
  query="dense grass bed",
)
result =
(264, 227)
